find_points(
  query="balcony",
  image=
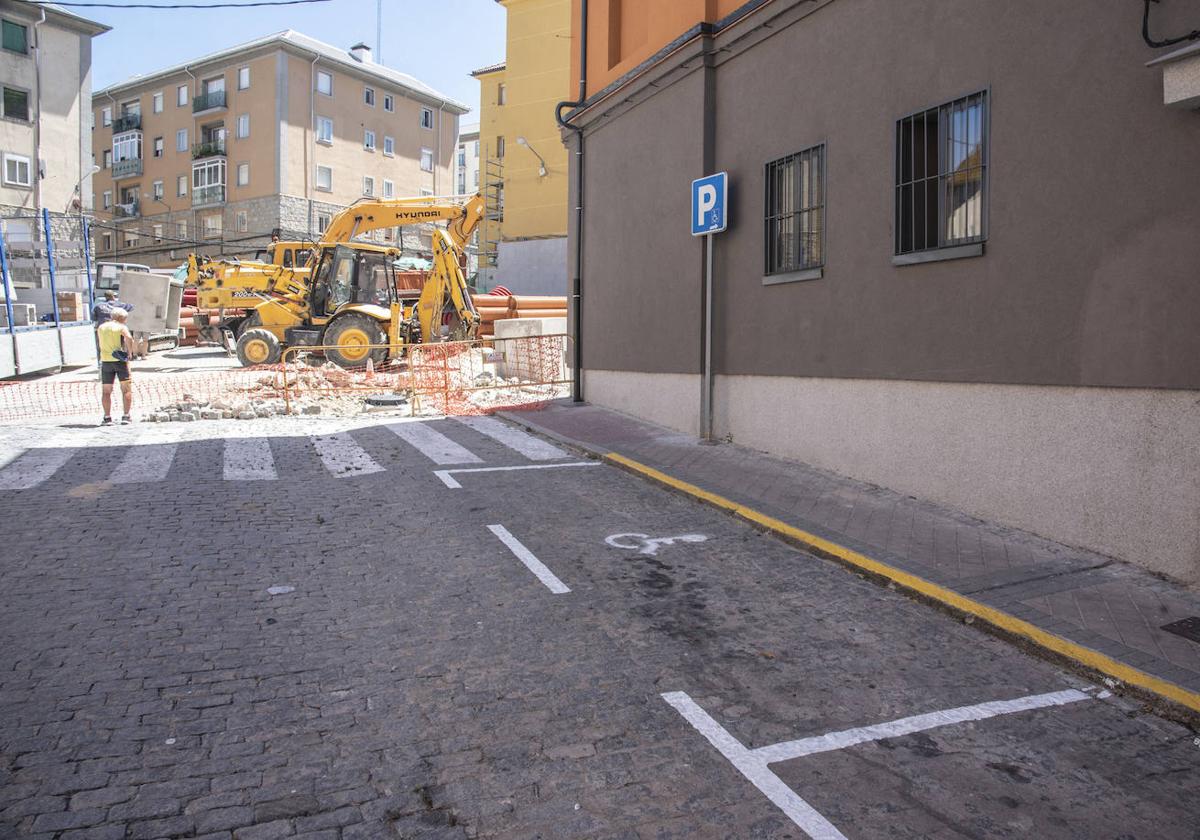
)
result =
(208, 101)
(126, 168)
(127, 122)
(211, 148)
(208, 196)
(128, 210)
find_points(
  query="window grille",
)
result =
(795, 212)
(941, 176)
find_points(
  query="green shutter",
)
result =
(16, 37)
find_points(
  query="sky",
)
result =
(438, 42)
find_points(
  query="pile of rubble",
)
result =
(190, 409)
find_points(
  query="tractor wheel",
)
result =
(355, 333)
(258, 347)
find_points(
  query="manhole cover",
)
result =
(387, 400)
(1188, 627)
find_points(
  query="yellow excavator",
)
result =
(346, 297)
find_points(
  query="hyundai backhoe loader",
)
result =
(346, 298)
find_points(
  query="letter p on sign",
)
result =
(709, 200)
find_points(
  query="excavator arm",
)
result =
(462, 217)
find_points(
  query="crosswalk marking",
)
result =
(433, 444)
(343, 457)
(34, 467)
(149, 462)
(249, 459)
(535, 449)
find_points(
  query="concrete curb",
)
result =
(1174, 700)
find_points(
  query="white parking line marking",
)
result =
(433, 444)
(249, 459)
(753, 763)
(917, 723)
(33, 467)
(531, 562)
(148, 462)
(535, 449)
(755, 770)
(452, 483)
(343, 457)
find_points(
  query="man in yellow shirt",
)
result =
(116, 346)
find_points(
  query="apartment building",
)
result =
(269, 138)
(961, 256)
(46, 81)
(467, 160)
(524, 163)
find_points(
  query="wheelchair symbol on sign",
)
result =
(648, 545)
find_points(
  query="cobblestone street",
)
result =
(355, 629)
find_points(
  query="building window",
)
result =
(325, 178)
(322, 222)
(212, 226)
(243, 126)
(106, 199)
(208, 181)
(16, 104)
(181, 185)
(324, 83)
(462, 155)
(243, 78)
(127, 146)
(158, 147)
(181, 96)
(243, 175)
(181, 140)
(369, 96)
(324, 130)
(157, 190)
(941, 176)
(389, 146)
(425, 193)
(106, 117)
(427, 160)
(181, 229)
(476, 152)
(476, 178)
(107, 240)
(369, 140)
(243, 223)
(426, 118)
(156, 102)
(158, 232)
(389, 188)
(16, 37)
(389, 102)
(106, 157)
(500, 146)
(131, 239)
(501, 94)
(17, 171)
(368, 185)
(795, 212)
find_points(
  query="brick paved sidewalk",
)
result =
(1100, 603)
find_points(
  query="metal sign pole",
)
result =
(62, 356)
(706, 386)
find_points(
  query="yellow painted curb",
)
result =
(1002, 620)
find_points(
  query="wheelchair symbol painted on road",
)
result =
(647, 545)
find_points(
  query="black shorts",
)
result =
(114, 370)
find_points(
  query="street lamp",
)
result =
(521, 141)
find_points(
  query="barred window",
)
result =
(941, 176)
(795, 212)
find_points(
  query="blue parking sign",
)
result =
(709, 200)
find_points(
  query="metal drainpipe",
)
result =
(577, 280)
(37, 119)
(310, 169)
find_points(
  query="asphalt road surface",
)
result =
(378, 632)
